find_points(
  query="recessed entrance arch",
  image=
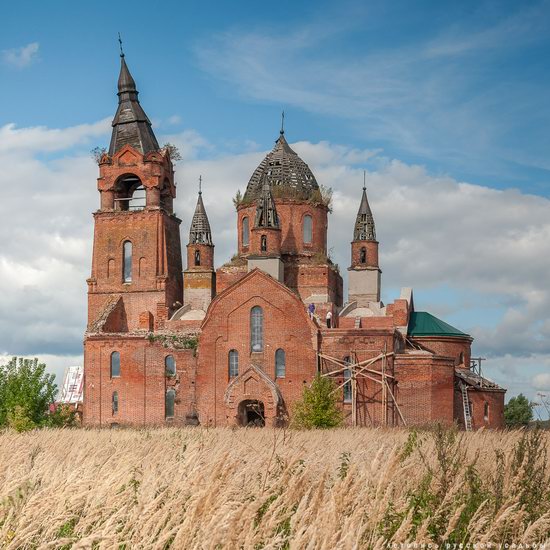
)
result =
(251, 412)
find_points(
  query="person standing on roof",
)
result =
(311, 310)
(329, 319)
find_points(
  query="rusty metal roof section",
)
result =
(474, 380)
(266, 213)
(364, 224)
(130, 125)
(287, 174)
(199, 232)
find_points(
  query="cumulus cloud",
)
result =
(21, 57)
(488, 245)
(39, 139)
(541, 381)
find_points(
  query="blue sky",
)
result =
(445, 104)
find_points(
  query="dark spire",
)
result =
(282, 123)
(364, 225)
(130, 125)
(266, 213)
(199, 232)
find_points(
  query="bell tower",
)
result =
(136, 277)
(364, 272)
(199, 277)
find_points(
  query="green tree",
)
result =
(318, 407)
(518, 412)
(26, 391)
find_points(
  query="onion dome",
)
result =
(288, 175)
(130, 125)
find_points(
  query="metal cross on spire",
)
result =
(283, 122)
(120, 44)
(200, 185)
(364, 180)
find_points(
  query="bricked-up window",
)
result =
(170, 403)
(308, 229)
(115, 364)
(347, 381)
(127, 269)
(363, 256)
(280, 363)
(233, 363)
(256, 329)
(245, 231)
(170, 365)
(486, 412)
(115, 402)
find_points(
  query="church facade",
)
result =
(168, 344)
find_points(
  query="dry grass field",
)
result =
(260, 488)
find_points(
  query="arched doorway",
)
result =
(251, 413)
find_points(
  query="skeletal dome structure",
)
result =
(288, 175)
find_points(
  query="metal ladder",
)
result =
(467, 409)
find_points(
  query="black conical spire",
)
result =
(266, 213)
(200, 233)
(364, 224)
(130, 125)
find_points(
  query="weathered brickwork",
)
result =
(236, 345)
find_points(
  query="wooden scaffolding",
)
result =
(358, 374)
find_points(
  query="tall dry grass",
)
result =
(261, 488)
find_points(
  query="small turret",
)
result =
(199, 280)
(265, 241)
(364, 272)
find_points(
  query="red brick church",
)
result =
(235, 345)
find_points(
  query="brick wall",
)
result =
(227, 327)
(142, 383)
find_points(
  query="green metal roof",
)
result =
(422, 323)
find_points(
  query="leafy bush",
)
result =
(318, 407)
(518, 412)
(26, 391)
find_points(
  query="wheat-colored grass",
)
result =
(261, 488)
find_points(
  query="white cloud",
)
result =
(174, 120)
(541, 381)
(36, 139)
(21, 57)
(432, 230)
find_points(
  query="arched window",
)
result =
(170, 403)
(263, 245)
(197, 257)
(307, 229)
(347, 382)
(256, 329)
(461, 358)
(486, 412)
(280, 363)
(245, 231)
(233, 363)
(115, 364)
(127, 269)
(170, 365)
(114, 401)
(363, 256)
